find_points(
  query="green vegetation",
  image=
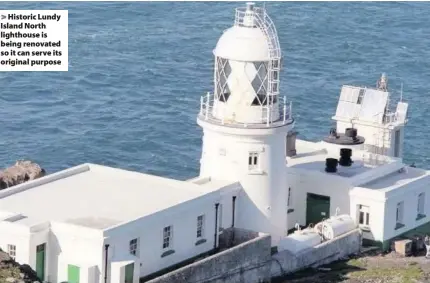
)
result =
(408, 274)
(9, 272)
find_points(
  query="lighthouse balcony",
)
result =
(262, 116)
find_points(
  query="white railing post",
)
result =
(285, 112)
(290, 115)
(201, 105)
(207, 106)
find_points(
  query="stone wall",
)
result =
(286, 262)
(231, 237)
(249, 261)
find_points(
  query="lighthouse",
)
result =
(245, 122)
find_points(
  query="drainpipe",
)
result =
(232, 221)
(233, 213)
(106, 261)
(216, 224)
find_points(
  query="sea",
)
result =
(137, 70)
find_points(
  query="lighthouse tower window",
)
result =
(253, 161)
(223, 71)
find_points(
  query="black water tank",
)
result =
(351, 132)
(345, 157)
(331, 165)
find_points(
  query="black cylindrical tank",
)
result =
(345, 157)
(331, 165)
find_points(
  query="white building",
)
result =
(93, 223)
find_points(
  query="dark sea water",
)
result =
(137, 70)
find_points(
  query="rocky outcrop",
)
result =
(22, 171)
(13, 272)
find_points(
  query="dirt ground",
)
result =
(370, 267)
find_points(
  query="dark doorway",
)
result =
(317, 208)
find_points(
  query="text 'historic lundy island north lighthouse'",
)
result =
(34, 40)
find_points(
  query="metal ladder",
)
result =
(268, 28)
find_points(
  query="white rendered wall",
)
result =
(38, 237)
(409, 196)
(118, 271)
(75, 245)
(18, 235)
(303, 182)
(262, 203)
(64, 245)
(149, 231)
(233, 110)
(383, 205)
(375, 201)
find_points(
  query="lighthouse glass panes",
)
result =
(229, 78)
(259, 83)
(223, 71)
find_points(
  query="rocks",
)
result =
(22, 171)
(13, 272)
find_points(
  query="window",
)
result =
(167, 237)
(253, 160)
(200, 224)
(133, 246)
(420, 206)
(399, 215)
(360, 96)
(363, 215)
(11, 250)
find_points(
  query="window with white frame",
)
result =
(253, 161)
(200, 226)
(363, 215)
(133, 246)
(167, 237)
(11, 250)
(399, 214)
(421, 203)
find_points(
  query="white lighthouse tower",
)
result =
(245, 122)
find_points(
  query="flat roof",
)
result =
(312, 156)
(100, 197)
(397, 179)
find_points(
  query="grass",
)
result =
(360, 270)
(408, 274)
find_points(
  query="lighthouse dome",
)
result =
(240, 43)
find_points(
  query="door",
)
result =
(129, 270)
(73, 273)
(317, 208)
(40, 261)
